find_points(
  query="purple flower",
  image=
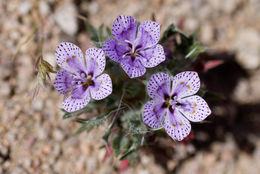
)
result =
(80, 81)
(134, 52)
(172, 108)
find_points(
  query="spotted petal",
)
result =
(159, 86)
(102, 88)
(96, 61)
(194, 108)
(62, 82)
(132, 68)
(77, 100)
(113, 50)
(176, 126)
(153, 56)
(153, 114)
(70, 57)
(185, 84)
(148, 34)
(124, 28)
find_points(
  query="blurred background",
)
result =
(35, 138)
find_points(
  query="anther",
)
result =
(83, 75)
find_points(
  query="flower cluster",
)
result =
(135, 48)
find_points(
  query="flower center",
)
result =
(134, 50)
(171, 102)
(84, 80)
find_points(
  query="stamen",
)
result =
(79, 82)
(83, 75)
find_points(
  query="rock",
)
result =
(91, 164)
(206, 33)
(24, 7)
(37, 105)
(44, 8)
(58, 135)
(247, 44)
(65, 16)
(5, 89)
(42, 133)
(93, 7)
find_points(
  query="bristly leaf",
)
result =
(171, 30)
(106, 136)
(97, 34)
(120, 143)
(76, 113)
(94, 35)
(195, 50)
(137, 127)
(89, 124)
(136, 141)
(109, 33)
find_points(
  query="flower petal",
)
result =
(153, 56)
(159, 86)
(185, 84)
(132, 68)
(153, 114)
(124, 28)
(176, 126)
(74, 102)
(70, 57)
(148, 34)
(113, 50)
(102, 88)
(194, 108)
(62, 82)
(96, 61)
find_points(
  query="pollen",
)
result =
(73, 57)
(182, 83)
(180, 124)
(173, 124)
(160, 87)
(92, 58)
(67, 60)
(188, 86)
(195, 104)
(193, 111)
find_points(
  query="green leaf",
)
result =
(96, 35)
(109, 33)
(106, 136)
(134, 89)
(171, 30)
(137, 127)
(120, 143)
(76, 113)
(93, 32)
(126, 154)
(89, 124)
(195, 50)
